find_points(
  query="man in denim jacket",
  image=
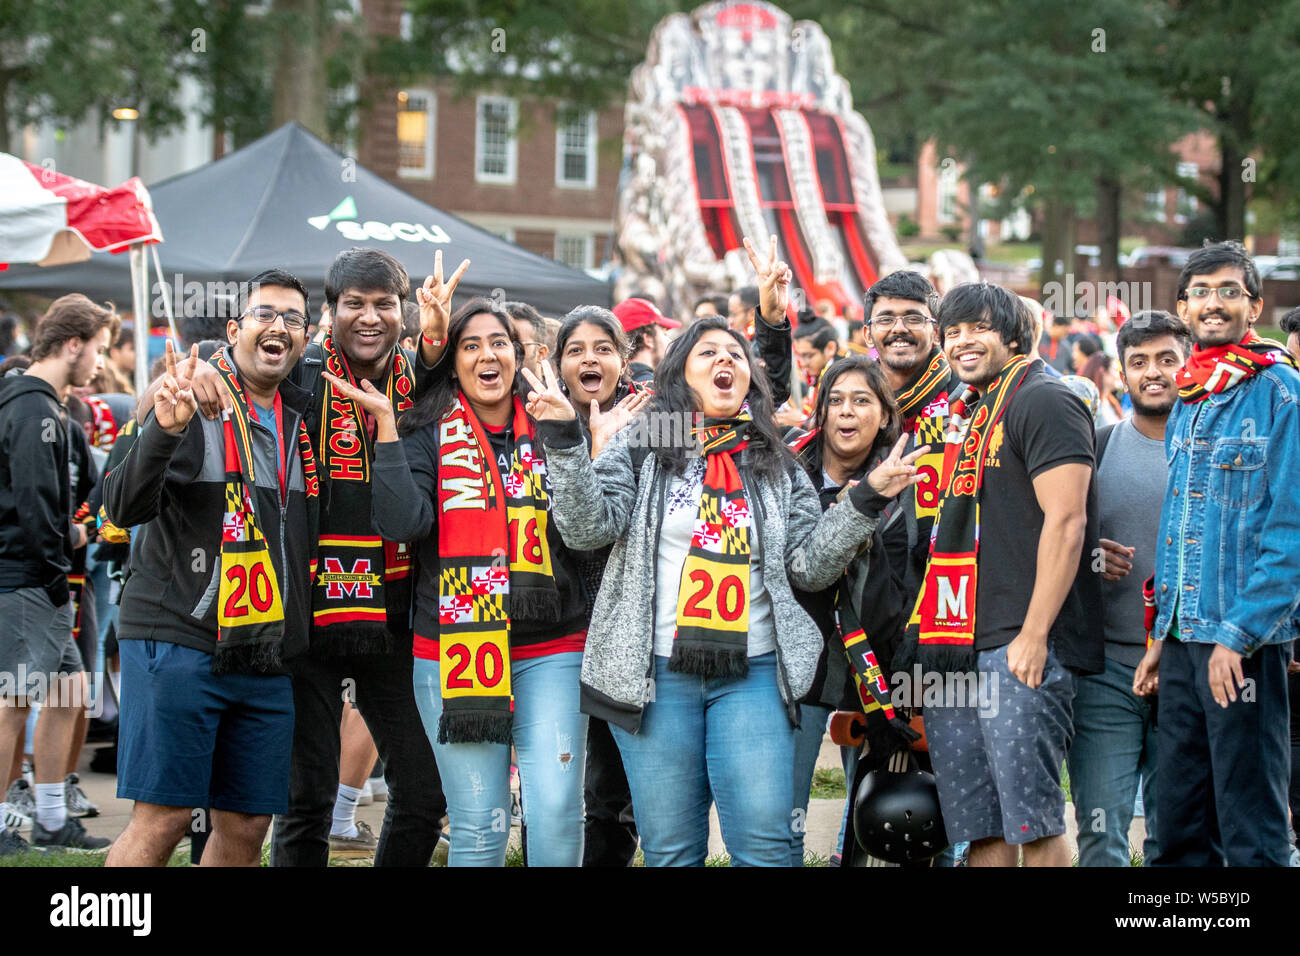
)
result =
(1226, 581)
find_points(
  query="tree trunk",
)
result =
(4, 115)
(1231, 212)
(1108, 227)
(1058, 248)
(299, 86)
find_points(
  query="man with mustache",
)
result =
(1226, 585)
(1115, 730)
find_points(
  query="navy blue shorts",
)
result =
(191, 738)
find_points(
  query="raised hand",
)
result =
(896, 472)
(546, 402)
(605, 425)
(434, 299)
(774, 278)
(371, 399)
(174, 403)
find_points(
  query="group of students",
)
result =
(497, 562)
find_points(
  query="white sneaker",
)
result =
(367, 795)
(378, 788)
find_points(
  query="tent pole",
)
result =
(140, 310)
(166, 298)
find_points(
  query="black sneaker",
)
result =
(71, 836)
(12, 842)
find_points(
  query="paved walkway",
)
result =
(823, 815)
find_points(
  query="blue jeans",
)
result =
(807, 745)
(704, 741)
(1114, 744)
(550, 738)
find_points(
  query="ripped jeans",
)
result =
(550, 739)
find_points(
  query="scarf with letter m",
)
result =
(1218, 368)
(712, 636)
(941, 632)
(495, 567)
(362, 592)
(250, 612)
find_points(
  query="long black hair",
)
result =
(677, 401)
(890, 428)
(442, 392)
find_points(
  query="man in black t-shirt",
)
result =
(1037, 605)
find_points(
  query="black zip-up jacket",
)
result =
(174, 485)
(35, 489)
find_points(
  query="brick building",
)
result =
(541, 175)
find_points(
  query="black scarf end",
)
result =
(886, 738)
(474, 728)
(260, 658)
(535, 604)
(331, 642)
(710, 661)
(943, 659)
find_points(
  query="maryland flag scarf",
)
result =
(495, 568)
(361, 596)
(941, 632)
(886, 730)
(1210, 371)
(250, 612)
(924, 404)
(712, 636)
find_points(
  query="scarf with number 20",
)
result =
(712, 637)
(250, 613)
(495, 567)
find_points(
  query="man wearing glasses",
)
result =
(1226, 585)
(217, 598)
(531, 329)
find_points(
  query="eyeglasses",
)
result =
(912, 320)
(294, 321)
(1227, 293)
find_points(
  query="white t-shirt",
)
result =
(675, 541)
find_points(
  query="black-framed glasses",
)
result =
(912, 320)
(294, 320)
(1227, 293)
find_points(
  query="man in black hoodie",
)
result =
(217, 600)
(37, 538)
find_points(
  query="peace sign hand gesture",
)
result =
(547, 403)
(605, 425)
(774, 278)
(374, 402)
(174, 403)
(895, 473)
(434, 299)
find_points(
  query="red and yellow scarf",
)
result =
(924, 404)
(250, 612)
(712, 636)
(941, 632)
(1218, 368)
(362, 591)
(495, 566)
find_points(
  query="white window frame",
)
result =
(430, 138)
(1156, 208)
(589, 181)
(589, 244)
(946, 194)
(512, 144)
(1186, 199)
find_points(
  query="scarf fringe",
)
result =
(711, 663)
(475, 728)
(261, 657)
(941, 658)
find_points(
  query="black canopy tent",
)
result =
(289, 201)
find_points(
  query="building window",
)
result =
(1187, 204)
(495, 146)
(1153, 205)
(575, 148)
(573, 251)
(341, 117)
(948, 177)
(417, 119)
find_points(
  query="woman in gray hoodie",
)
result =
(697, 651)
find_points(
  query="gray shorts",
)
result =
(35, 644)
(999, 768)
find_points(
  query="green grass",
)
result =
(828, 783)
(77, 859)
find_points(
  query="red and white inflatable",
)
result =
(51, 219)
(738, 125)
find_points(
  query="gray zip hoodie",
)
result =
(602, 502)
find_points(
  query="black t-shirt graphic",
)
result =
(1044, 426)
